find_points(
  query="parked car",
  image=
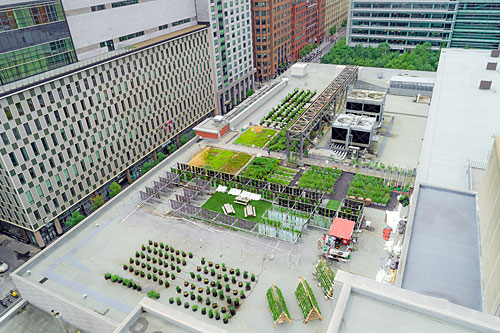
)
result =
(3, 267)
(3, 303)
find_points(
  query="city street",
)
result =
(14, 253)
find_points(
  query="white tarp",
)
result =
(222, 189)
(234, 191)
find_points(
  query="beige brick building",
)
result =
(335, 14)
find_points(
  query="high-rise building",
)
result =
(67, 134)
(477, 25)
(403, 24)
(231, 25)
(34, 38)
(307, 24)
(271, 36)
(335, 14)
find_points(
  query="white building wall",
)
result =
(90, 28)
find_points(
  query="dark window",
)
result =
(54, 139)
(37, 214)
(35, 148)
(38, 125)
(44, 144)
(16, 133)
(32, 173)
(27, 129)
(5, 139)
(21, 179)
(13, 159)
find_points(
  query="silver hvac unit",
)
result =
(353, 130)
(366, 103)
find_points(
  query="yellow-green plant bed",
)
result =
(256, 135)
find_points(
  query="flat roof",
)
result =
(463, 119)
(365, 305)
(416, 79)
(341, 228)
(443, 253)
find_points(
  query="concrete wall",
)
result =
(78, 316)
(489, 230)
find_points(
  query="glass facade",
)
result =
(34, 38)
(476, 25)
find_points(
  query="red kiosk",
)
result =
(340, 233)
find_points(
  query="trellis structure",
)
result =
(321, 111)
(277, 305)
(307, 301)
(325, 276)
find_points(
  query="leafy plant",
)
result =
(153, 294)
(75, 218)
(114, 189)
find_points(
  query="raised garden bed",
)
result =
(370, 187)
(325, 276)
(318, 178)
(260, 168)
(255, 136)
(333, 204)
(289, 109)
(307, 301)
(277, 305)
(220, 160)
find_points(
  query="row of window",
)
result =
(28, 16)
(117, 4)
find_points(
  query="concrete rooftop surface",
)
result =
(462, 119)
(443, 253)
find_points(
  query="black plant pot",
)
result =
(193, 287)
(193, 297)
(217, 317)
(207, 302)
(179, 303)
(225, 320)
(171, 301)
(186, 306)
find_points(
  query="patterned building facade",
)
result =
(64, 139)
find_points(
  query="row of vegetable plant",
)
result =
(289, 109)
(325, 276)
(277, 303)
(306, 299)
(320, 178)
(370, 187)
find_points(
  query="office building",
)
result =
(402, 24)
(271, 36)
(335, 14)
(477, 25)
(34, 38)
(66, 135)
(231, 25)
(307, 25)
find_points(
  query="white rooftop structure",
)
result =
(463, 119)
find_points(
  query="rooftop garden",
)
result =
(218, 200)
(369, 187)
(264, 168)
(289, 109)
(220, 160)
(318, 178)
(255, 136)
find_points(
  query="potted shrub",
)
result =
(245, 274)
(143, 274)
(139, 288)
(131, 260)
(178, 289)
(137, 262)
(130, 269)
(232, 310)
(210, 264)
(217, 266)
(226, 278)
(183, 254)
(212, 271)
(177, 252)
(194, 307)
(235, 292)
(149, 249)
(252, 278)
(236, 302)
(186, 283)
(223, 267)
(233, 280)
(172, 250)
(171, 300)
(240, 284)
(203, 311)
(193, 286)
(154, 260)
(160, 272)
(192, 275)
(143, 255)
(167, 274)
(160, 254)
(223, 309)
(172, 267)
(228, 289)
(228, 299)
(179, 302)
(143, 265)
(210, 313)
(186, 305)
(155, 244)
(172, 258)
(214, 305)
(221, 295)
(203, 260)
(165, 264)
(125, 267)
(200, 290)
(208, 291)
(205, 270)
(136, 272)
(161, 245)
(214, 292)
(186, 294)
(143, 247)
(150, 242)
(242, 294)
(219, 276)
(148, 266)
(107, 276)
(160, 282)
(137, 254)
(190, 254)
(212, 283)
(172, 276)
(226, 319)
(198, 277)
(155, 251)
(231, 271)
(178, 269)
(178, 260)
(192, 296)
(167, 284)
(149, 276)
(199, 298)
(155, 278)
(155, 270)
(247, 286)
(219, 285)
(207, 300)
(217, 315)
(237, 272)
(206, 281)
(198, 269)
(183, 262)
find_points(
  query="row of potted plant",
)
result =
(211, 312)
(115, 278)
(157, 248)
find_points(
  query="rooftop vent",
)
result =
(491, 66)
(495, 53)
(485, 85)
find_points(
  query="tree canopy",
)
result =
(422, 58)
(75, 218)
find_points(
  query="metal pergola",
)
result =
(322, 110)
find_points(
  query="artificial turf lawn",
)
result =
(223, 160)
(256, 136)
(217, 200)
(333, 204)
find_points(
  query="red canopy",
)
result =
(341, 228)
